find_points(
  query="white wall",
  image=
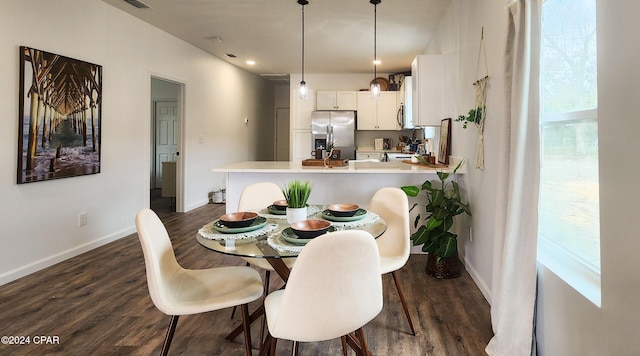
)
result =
(39, 220)
(568, 324)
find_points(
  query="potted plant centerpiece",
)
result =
(296, 193)
(443, 203)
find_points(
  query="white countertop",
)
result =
(353, 167)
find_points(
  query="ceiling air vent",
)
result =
(137, 3)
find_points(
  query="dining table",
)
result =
(270, 237)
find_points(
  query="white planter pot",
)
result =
(296, 214)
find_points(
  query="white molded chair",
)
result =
(395, 244)
(177, 291)
(335, 288)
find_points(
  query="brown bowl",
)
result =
(343, 210)
(239, 219)
(280, 204)
(308, 229)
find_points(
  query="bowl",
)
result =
(280, 204)
(343, 210)
(239, 219)
(308, 229)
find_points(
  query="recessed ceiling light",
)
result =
(250, 62)
(230, 55)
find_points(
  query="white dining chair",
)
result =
(254, 197)
(394, 245)
(334, 289)
(177, 291)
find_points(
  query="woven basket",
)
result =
(447, 267)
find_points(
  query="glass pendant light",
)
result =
(375, 86)
(302, 90)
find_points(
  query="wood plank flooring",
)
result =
(98, 304)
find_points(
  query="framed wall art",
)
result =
(445, 141)
(60, 116)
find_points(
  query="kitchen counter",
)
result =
(355, 183)
(396, 167)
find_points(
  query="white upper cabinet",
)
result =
(302, 110)
(336, 100)
(381, 114)
(426, 71)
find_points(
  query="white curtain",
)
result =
(514, 269)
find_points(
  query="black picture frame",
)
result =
(445, 141)
(65, 97)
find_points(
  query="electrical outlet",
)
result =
(82, 219)
(470, 234)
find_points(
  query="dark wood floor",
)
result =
(98, 304)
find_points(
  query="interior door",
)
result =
(282, 134)
(166, 121)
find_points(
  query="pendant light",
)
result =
(375, 86)
(302, 90)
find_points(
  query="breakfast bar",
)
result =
(353, 183)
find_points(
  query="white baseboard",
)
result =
(484, 289)
(35, 266)
(196, 205)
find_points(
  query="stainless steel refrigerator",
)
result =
(338, 127)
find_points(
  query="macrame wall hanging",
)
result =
(479, 112)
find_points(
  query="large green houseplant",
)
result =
(442, 203)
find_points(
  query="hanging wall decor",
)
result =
(478, 114)
(60, 103)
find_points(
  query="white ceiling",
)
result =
(338, 33)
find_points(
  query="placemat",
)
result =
(370, 218)
(208, 232)
(279, 244)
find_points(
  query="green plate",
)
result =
(275, 211)
(259, 222)
(289, 236)
(360, 213)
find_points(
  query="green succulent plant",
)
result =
(442, 204)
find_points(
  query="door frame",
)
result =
(179, 136)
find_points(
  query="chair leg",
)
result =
(272, 349)
(294, 349)
(233, 311)
(170, 331)
(246, 326)
(404, 303)
(267, 277)
(363, 342)
(343, 339)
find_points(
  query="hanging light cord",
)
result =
(303, 3)
(375, 41)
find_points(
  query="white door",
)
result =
(282, 134)
(166, 122)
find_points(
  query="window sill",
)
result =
(577, 273)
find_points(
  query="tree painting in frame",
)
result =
(445, 141)
(60, 112)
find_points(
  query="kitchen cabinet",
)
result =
(426, 72)
(381, 114)
(300, 123)
(336, 100)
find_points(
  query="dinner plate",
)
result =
(275, 211)
(259, 222)
(357, 216)
(289, 236)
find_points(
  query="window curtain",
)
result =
(513, 294)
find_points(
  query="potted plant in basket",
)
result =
(443, 202)
(296, 193)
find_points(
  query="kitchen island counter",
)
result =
(355, 183)
(353, 167)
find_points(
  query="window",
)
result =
(569, 217)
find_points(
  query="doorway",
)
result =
(165, 178)
(282, 134)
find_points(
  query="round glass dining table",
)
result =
(269, 246)
(262, 246)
